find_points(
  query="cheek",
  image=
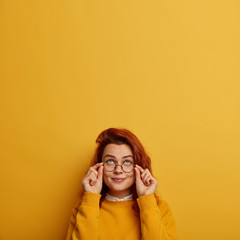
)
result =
(132, 177)
(105, 177)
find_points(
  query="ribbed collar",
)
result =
(114, 199)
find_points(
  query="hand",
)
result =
(92, 181)
(145, 182)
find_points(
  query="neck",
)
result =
(119, 194)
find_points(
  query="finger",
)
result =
(153, 181)
(140, 168)
(146, 178)
(87, 180)
(137, 172)
(92, 182)
(92, 171)
(145, 173)
(93, 176)
(89, 177)
(92, 179)
(96, 166)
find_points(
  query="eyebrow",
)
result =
(109, 155)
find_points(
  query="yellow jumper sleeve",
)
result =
(87, 218)
(157, 222)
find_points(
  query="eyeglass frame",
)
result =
(119, 165)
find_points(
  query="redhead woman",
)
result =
(119, 200)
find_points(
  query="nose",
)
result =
(118, 169)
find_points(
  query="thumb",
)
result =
(100, 173)
(138, 178)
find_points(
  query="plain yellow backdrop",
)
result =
(166, 70)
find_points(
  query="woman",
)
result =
(119, 200)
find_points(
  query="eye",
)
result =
(110, 161)
(127, 162)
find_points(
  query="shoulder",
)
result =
(163, 205)
(166, 212)
(88, 199)
(152, 201)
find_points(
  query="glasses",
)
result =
(111, 165)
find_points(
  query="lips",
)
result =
(118, 180)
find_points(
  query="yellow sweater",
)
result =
(118, 221)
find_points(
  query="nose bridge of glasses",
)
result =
(120, 165)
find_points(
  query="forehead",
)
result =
(117, 150)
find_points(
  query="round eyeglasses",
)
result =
(110, 166)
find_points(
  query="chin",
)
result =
(120, 187)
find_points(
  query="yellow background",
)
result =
(166, 70)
